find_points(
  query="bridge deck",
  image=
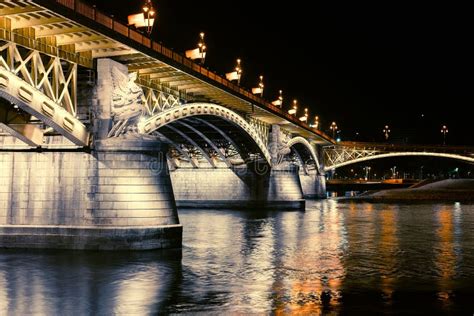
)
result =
(78, 32)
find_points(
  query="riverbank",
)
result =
(460, 190)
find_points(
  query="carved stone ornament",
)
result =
(127, 106)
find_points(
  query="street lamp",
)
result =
(238, 69)
(367, 172)
(316, 122)
(279, 102)
(259, 88)
(236, 74)
(304, 118)
(146, 19)
(394, 171)
(202, 47)
(386, 132)
(150, 13)
(444, 131)
(333, 128)
(293, 110)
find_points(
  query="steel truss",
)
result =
(43, 86)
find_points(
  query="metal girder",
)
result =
(69, 39)
(34, 102)
(54, 30)
(17, 124)
(221, 132)
(5, 10)
(192, 142)
(56, 80)
(208, 141)
(158, 101)
(90, 46)
(20, 23)
(27, 133)
(108, 52)
(178, 148)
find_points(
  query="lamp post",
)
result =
(444, 131)
(316, 122)
(202, 47)
(238, 69)
(386, 132)
(261, 86)
(394, 171)
(293, 110)
(333, 128)
(150, 13)
(304, 118)
(280, 97)
(367, 172)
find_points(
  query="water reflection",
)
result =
(335, 257)
(55, 283)
(388, 250)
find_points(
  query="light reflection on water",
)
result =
(334, 257)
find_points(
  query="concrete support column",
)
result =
(132, 188)
(284, 189)
(313, 185)
(118, 197)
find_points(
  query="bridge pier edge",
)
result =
(118, 197)
(250, 187)
(313, 185)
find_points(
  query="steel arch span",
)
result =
(400, 154)
(300, 140)
(182, 113)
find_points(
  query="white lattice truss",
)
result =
(336, 157)
(158, 101)
(43, 86)
(57, 79)
(262, 128)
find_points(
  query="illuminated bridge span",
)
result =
(103, 132)
(347, 153)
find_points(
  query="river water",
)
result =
(335, 257)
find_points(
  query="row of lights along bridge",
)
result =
(146, 20)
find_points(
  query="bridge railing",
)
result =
(92, 13)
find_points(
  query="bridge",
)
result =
(105, 132)
(347, 153)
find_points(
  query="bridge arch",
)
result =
(304, 150)
(401, 154)
(194, 118)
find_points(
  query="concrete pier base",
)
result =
(91, 238)
(237, 188)
(313, 185)
(119, 196)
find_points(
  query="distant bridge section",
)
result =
(347, 153)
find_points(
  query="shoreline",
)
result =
(451, 190)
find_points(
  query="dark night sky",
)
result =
(361, 64)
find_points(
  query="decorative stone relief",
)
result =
(278, 146)
(127, 105)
